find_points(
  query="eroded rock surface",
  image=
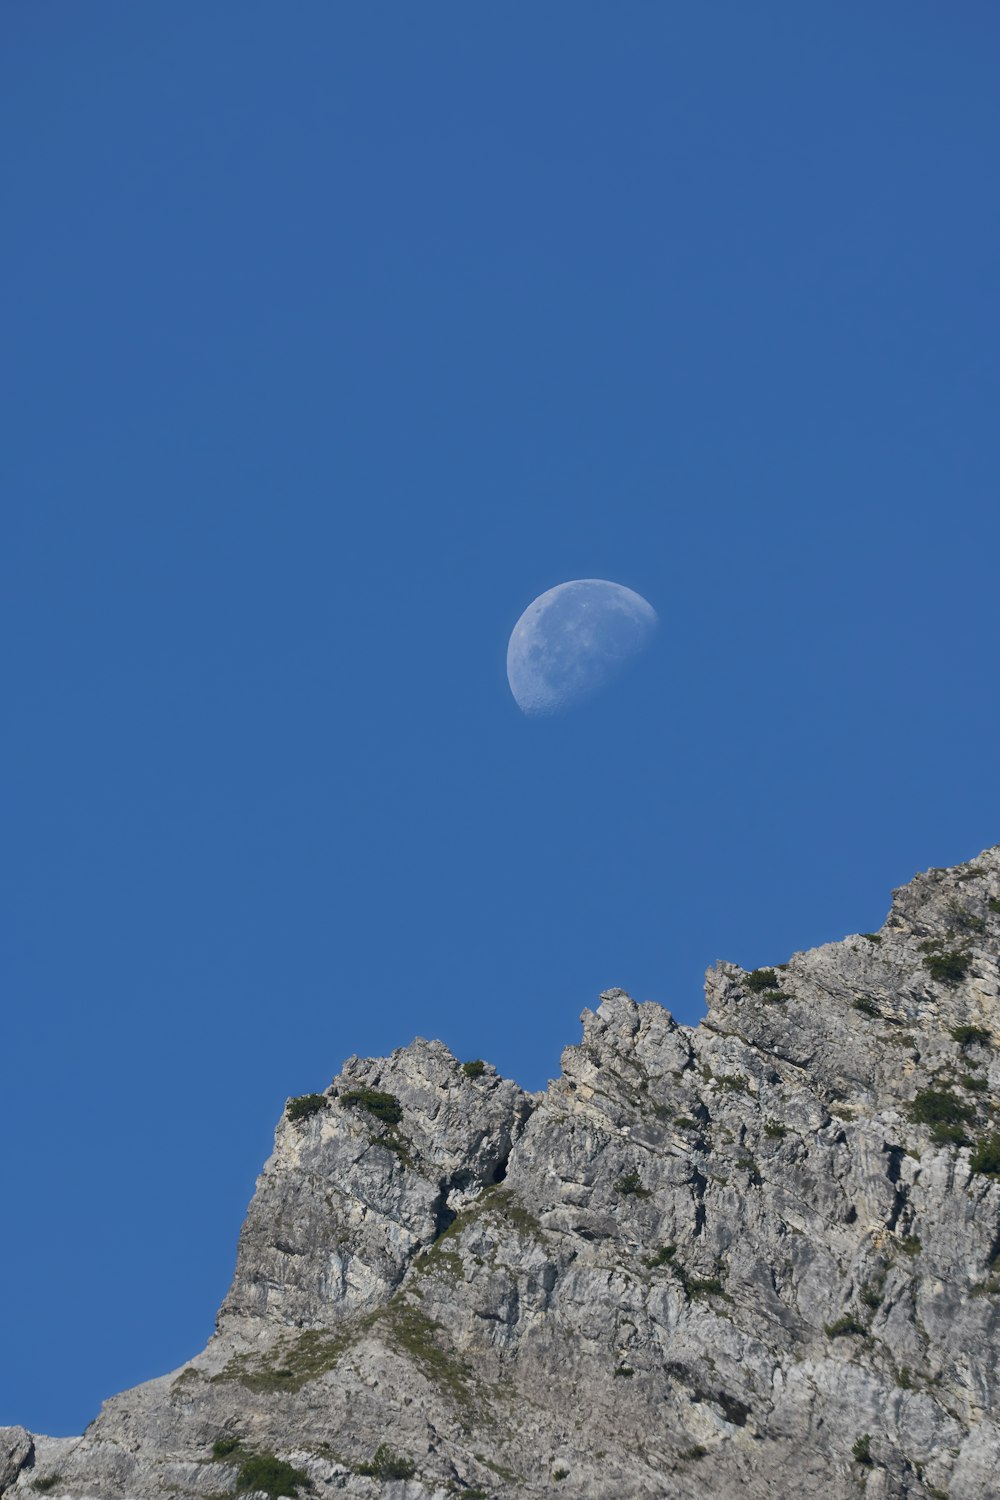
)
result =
(755, 1258)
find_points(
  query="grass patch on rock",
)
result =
(385, 1464)
(293, 1363)
(417, 1335)
(499, 1469)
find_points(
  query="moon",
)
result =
(572, 641)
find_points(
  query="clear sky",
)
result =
(334, 334)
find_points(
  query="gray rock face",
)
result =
(16, 1450)
(755, 1258)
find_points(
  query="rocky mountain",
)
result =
(754, 1258)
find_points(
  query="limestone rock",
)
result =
(759, 1257)
(16, 1450)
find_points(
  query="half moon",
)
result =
(572, 641)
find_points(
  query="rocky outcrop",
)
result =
(755, 1258)
(16, 1450)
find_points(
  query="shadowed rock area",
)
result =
(759, 1257)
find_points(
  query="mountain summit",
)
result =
(755, 1258)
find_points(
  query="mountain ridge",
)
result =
(759, 1256)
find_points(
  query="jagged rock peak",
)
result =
(758, 1257)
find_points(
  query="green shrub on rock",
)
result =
(949, 1135)
(759, 980)
(844, 1327)
(474, 1069)
(661, 1257)
(705, 1286)
(225, 1447)
(304, 1106)
(970, 1036)
(271, 1475)
(943, 1110)
(630, 1183)
(385, 1107)
(985, 1157)
(948, 968)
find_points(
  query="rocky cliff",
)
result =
(755, 1258)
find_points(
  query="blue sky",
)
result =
(334, 335)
